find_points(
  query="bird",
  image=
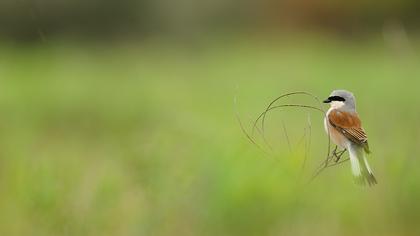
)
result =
(344, 127)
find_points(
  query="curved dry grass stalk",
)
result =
(243, 129)
(307, 132)
(287, 136)
(307, 147)
(326, 164)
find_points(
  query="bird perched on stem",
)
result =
(343, 125)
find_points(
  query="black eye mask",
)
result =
(334, 98)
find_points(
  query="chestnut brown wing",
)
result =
(349, 125)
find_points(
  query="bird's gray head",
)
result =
(342, 99)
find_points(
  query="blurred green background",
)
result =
(117, 117)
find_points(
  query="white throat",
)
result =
(337, 104)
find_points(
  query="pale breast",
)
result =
(336, 137)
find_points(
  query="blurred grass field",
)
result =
(131, 139)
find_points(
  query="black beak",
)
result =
(328, 100)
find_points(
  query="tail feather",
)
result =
(369, 174)
(360, 167)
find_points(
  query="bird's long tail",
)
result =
(360, 167)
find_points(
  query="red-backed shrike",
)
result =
(344, 127)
